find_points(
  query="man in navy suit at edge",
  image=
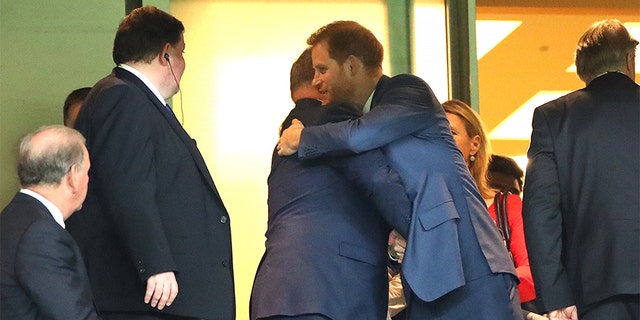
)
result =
(581, 207)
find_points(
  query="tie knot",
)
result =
(168, 108)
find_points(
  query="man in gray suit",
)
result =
(43, 275)
(581, 204)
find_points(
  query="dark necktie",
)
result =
(169, 108)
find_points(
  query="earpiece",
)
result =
(166, 56)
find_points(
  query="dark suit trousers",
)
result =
(299, 317)
(141, 316)
(619, 307)
(482, 298)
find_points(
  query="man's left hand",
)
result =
(162, 289)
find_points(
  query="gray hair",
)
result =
(603, 47)
(47, 154)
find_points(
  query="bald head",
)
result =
(47, 154)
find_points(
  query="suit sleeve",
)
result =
(46, 267)
(519, 249)
(124, 160)
(406, 107)
(370, 172)
(543, 218)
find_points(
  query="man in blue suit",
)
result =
(455, 265)
(581, 206)
(43, 275)
(325, 252)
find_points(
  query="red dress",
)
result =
(518, 247)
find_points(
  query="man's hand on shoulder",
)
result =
(162, 289)
(290, 138)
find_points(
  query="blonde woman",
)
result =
(468, 132)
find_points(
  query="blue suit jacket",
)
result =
(326, 244)
(151, 206)
(43, 275)
(581, 205)
(451, 239)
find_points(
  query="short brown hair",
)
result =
(302, 71)
(347, 38)
(76, 96)
(603, 47)
(143, 33)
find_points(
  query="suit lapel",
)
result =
(380, 88)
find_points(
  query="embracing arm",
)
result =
(407, 106)
(542, 217)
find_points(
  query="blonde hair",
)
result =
(473, 125)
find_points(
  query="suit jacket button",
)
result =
(224, 263)
(223, 219)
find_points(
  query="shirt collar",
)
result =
(55, 212)
(367, 105)
(145, 80)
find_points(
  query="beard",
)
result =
(341, 90)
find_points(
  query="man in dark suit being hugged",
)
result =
(154, 231)
(43, 275)
(581, 203)
(325, 252)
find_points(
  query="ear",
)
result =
(475, 145)
(73, 178)
(631, 65)
(353, 65)
(161, 57)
